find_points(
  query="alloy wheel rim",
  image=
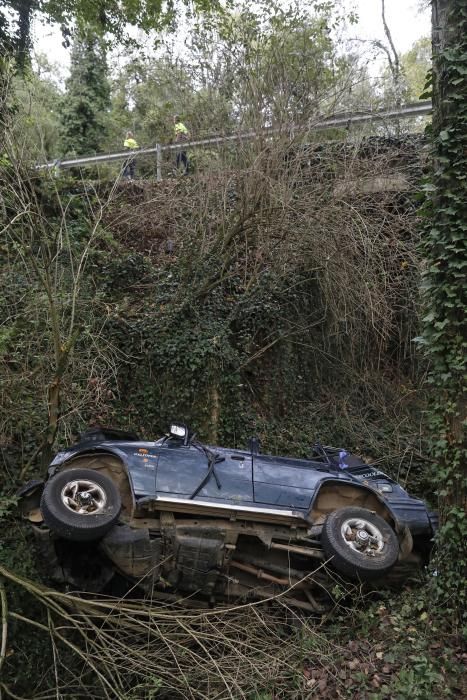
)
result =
(362, 536)
(83, 497)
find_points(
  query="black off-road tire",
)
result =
(349, 562)
(75, 526)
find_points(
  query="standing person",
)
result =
(130, 166)
(181, 134)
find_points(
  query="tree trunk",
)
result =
(444, 325)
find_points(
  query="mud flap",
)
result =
(29, 498)
(405, 541)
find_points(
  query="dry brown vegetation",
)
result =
(340, 215)
(334, 225)
(132, 649)
(104, 647)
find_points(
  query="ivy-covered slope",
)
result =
(279, 300)
(267, 309)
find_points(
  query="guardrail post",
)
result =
(158, 162)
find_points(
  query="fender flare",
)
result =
(317, 511)
(86, 452)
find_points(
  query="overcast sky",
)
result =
(407, 23)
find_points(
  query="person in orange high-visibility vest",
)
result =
(130, 166)
(181, 133)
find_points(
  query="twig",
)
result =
(4, 606)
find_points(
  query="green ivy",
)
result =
(443, 291)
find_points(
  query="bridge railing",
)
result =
(336, 121)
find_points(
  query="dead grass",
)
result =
(117, 648)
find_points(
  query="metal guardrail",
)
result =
(341, 120)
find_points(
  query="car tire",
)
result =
(353, 553)
(80, 504)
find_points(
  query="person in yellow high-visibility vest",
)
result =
(181, 133)
(130, 166)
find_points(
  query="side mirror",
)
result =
(179, 430)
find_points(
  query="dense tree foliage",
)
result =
(415, 65)
(107, 17)
(253, 67)
(37, 103)
(87, 98)
(15, 29)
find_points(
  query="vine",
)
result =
(443, 291)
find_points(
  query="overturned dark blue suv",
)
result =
(178, 518)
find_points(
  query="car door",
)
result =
(181, 470)
(280, 484)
